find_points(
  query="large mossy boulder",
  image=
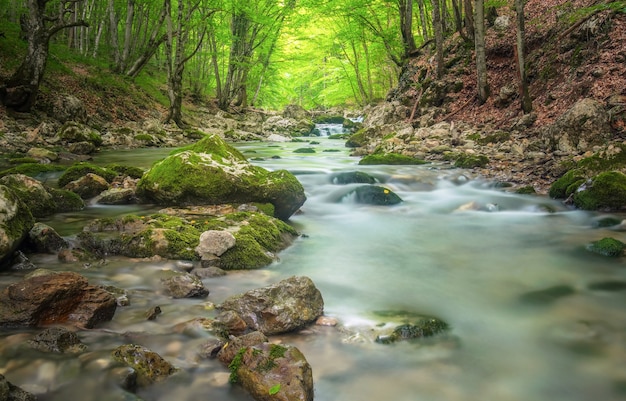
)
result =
(32, 193)
(374, 195)
(212, 172)
(16, 221)
(607, 192)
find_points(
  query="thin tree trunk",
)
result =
(115, 46)
(405, 7)
(527, 105)
(152, 46)
(438, 28)
(420, 4)
(479, 41)
(469, 19)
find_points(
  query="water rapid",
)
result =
(456, 248)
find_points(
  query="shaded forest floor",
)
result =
(564, 64)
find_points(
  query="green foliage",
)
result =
(274, 389)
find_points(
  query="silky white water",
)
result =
(376, 267)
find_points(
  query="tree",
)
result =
(177, 40)
(20, 91)
(438, 28)
(527, 105)
(479, 45)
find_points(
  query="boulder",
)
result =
(287, 126)
(352, 177)
(88, 186)
(44, 239)
(212, 172)
(73, 132)
(286, 306)
(606, 191)
(117, 196)
(580, 128)
(215, 242)
(42, 154)
(149, 366)
(57, 340)
(227, 353)
(11, 392)
(16, 221)
(32, 193)
(184, 285)
(272, 372)
(296, 112)
(374, 195)
(69, 108)
(46, 298)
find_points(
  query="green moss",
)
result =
(564, 186)
(129, 171)
(357, 139)
(496, 137)
(75, 132)
(267, 232)
(81, 169)
(470, 161)
(215, 146)
(527, 190)
(192, 133)
(181, 243)
(276, 351)
(246, 254)
(390, 159)
(607, 247)
(31, 169)
(21, 223)
(66, 201)
(145, 138)
(304, 150)
(607, 191)
(266, 208)
(20, 160)
(235, 364)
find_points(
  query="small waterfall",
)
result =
(329, 129)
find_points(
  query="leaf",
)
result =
(275, 389)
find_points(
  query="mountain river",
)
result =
(494, 271)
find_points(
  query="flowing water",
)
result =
(478, 268)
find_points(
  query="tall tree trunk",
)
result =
(22, 87)
(527, 105)
(438, 28)
(479, 44)
(405, 7)
(151, 47)
(420, 4)
(114, 42)
(469, 18)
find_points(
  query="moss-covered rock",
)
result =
(80, 170)
(126, 171)
(357, 139)
(607, 247)
(390, 158)
(66, 201)
(607, 191)
(32, 193)
(375, 195)
(352, 177)
(31, 169)
(567, 184)
(304, 150)
(470, 161)
(150, 366)
(213, 172)
(423, 328)
(16, 221)
(75, 132)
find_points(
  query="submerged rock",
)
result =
(286, 306)
(547, 295)
(57, 340)
(184, 285)
(212, 172)
(375, 195)
(390, 158)
(149, 366)
(271, 372)
(11, 392)
(423, 328)
(607, 247)
(352, 177)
